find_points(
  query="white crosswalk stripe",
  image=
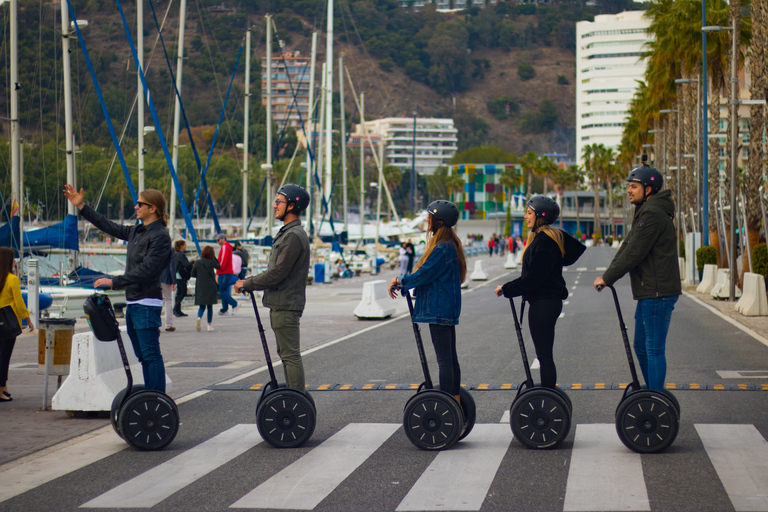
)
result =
(157, 484)
(740, 456)
(604, 475)
(306, 482)
(459, 479)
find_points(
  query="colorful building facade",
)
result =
(483, 196)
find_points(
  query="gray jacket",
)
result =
(285, 280)
(649, 251)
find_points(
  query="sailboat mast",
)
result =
(321, 149)
(343, 144)
(140, 102)
(69, 142)
(246, 106)
(269, 124)
(362, 163)
(329, 107)
(177, 113)
(312, 126)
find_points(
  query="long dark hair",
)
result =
(439, 232)
(6, 265)
(208, 253)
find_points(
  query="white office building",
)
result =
(608, 65)
(436, 141)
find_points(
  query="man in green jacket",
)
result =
(285, 281)
(649, 254)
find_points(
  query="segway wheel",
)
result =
(433, 420)
(116, 403)
(540, 418)
(565, 397)
(286, 418)
(469, 410)
(647, 422)
(149, 420)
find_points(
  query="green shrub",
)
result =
(386, 64)
(562, 80)
(760, 259)
(525, 71)
(706, 255)
(579, 235)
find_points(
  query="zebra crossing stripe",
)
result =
(159, 483)
(307, 482)
(740, 456)
(40, 470)
(604, 474)
(459, 478)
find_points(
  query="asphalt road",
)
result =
(359, 459)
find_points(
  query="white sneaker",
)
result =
(198, 324)
(234, 310)
(210, 328)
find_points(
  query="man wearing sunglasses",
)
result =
(285, 281)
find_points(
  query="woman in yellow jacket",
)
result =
(10, 295)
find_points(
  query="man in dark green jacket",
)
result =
(285, 281)
(649, 254)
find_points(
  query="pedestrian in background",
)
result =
(285, 281)
(168, 284)
(148, 253)
(541, 281)
(403, 260)
(183, 273)
(491, 244)
(649, 254)
(10, 295)
(206, 287)
(410, 251)
(244, 257)
(226, 275)
(437, 279)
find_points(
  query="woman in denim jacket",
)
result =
(437, 279)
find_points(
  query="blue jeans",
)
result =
(201, 310)
(652, 318)
(225, 281)
(143, 324)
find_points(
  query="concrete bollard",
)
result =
(479, 274)
(708, 279)
(722, 287)
(753, 301)
(375, 303)
(511, 261)
(96, 374)
(681, 266)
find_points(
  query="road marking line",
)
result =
(505, 417)
(459, 478)
(161, 482)
(740, 456)
(39, 470)
(728, 319)
(309, 480)
(535, 365)
(604, 474)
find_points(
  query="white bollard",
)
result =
(96, 374)
(375, 302)
(754, 301)
(479, 274)
(708, 279)
(722, 288)
(681, 266)
(511, 261)
(692, 243)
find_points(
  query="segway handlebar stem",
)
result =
(419, 342)
(519, 331)
(264, 342)
(625, 338)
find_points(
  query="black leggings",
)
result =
(542, 317)
(6, 349)
(444, 341)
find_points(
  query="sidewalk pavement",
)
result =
(196, 360)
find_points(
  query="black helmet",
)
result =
(295, 195)
(544, 207)
(647, 177)
(445, 211)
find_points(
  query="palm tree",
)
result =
(529, 161)
(591, 155)
(570, 179)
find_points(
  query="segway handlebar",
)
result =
(264, 342)
(625, 338)
(519, 331)
(419, 342)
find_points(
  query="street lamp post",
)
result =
(698, 141)
(663, 132)
(677, 171)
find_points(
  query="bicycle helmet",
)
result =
(445, 211)
(647, 176)
(295, 195)
(544, 207)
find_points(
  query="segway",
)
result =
(285, 417)
(539, 417)
(432, 419)
(145, 419)
(647, 421)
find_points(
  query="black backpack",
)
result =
(101, 317)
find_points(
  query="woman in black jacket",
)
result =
(184, 272)
(206, 285)
(149, 252)
(541, 283)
